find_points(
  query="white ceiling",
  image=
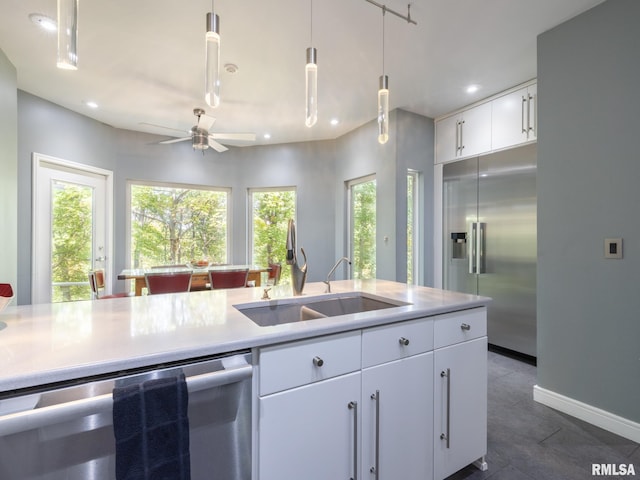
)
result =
(142, 61)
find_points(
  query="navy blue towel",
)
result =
(151, 429)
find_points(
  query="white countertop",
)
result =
(50, 343)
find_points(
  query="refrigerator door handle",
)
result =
(480, 254)
(477, 250)
(473, 237)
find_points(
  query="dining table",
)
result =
(199, 276)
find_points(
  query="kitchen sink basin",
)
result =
(297, 310)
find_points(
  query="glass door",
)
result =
(70, 231)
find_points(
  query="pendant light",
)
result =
(311, 81)
(383, 97)
(212, 62)
(68, 34)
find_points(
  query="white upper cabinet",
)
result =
(502, 121)
(465, 134)
(514, 118)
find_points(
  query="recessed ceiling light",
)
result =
(334, 121)
(267, 136)
(473, 88)
(44, 22)
(91, 104)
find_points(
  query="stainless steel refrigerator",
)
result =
(489, 224)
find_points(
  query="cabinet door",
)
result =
(309, 432)
(397, 421)
(460, 406)
(475, 134)
(514, 118)
(447, 139)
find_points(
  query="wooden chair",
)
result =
(273, 276)
(228, 278)
(168, 282)
(97, 284)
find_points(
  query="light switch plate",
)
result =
(612, 248)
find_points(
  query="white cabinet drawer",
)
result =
(392, 342)
(299, 363)
(457, 327)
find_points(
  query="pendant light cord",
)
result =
(384, 10)
(311, 26)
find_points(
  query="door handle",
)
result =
(376, 468)
(447, 436)
(354, 406)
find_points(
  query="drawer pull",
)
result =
(465, 326)
(404, 341)
(318, 362)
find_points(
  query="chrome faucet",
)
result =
(298, 273)
(343, 259)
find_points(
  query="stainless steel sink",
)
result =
(297, 310)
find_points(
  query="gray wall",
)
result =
(359, 154)
(588, 172)
(310, 166)
(8, 172)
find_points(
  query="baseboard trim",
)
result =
(600, 418)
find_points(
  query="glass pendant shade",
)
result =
(212, 63)
(311, 83)
(383, 110)
(68, 34)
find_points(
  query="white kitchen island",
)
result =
(408, 383)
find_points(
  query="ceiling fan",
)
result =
(201, 139)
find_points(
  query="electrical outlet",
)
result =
(612, 248)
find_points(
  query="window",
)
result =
(362, 227)
(173, 225)
(413, 227)
(271, 210)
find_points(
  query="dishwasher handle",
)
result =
(55, 414)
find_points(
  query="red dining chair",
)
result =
(228, 278)
(168, 282)
(6, 294)
(97, 284)
(273, 276)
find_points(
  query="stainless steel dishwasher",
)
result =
(66, 431)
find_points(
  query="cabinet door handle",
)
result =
(457, 137)
(354, 406)
(376, 468)
(318, 362)
(404, 341)
(447, 436)
(522, 113)
(461, 136)
(529, 107)
(465, 326)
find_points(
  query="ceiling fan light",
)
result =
(212, 61)
(68, 34)
(199, 139)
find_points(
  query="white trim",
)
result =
(593, 415)
(437, 225)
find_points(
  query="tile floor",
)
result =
(529, 441)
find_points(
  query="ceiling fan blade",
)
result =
(162, 126)
(205, 122)
(249, 137)
(218, 147)
(174, 140)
